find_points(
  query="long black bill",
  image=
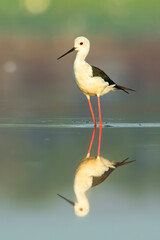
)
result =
(72, 203)
(71, 50)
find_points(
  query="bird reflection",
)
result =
(91, 172)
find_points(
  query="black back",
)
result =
(99, 73)
(98, 180)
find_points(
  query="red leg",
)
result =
(90, 105)
(100, 126)
(99, 141)
(90, 146)
(99, 108)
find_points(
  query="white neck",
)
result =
(81, 198)
(82, 54)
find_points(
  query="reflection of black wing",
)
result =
(98, 180)
(99, 73)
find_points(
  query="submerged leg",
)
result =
(90, 105)
(90, 146)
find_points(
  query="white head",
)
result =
(81, 44)
(81, 209)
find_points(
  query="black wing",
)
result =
(98, 180)
(99, 73)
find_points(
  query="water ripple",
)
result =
(78, 125)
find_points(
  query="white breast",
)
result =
(88, 84)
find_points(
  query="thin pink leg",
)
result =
(100, 126)
(99, 141)
(90, 105)
(99, 108)
(90, 146)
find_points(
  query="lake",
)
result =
(39, 160)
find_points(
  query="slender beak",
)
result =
(71, 50)
(72, 203)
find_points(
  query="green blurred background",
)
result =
(47, 17)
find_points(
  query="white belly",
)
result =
(91, 86)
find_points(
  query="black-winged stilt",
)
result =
(91, 80)
(91, 172)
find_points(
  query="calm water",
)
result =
(38, 162)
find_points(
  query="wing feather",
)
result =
(98, 180)
(99, 73)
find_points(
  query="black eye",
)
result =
(81, 43)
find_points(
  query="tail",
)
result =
(124, 88)
(118, 164)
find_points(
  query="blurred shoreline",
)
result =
(34, 83)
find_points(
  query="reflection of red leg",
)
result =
(90, 146)
(99, 108)
(99, 141)
(90, 105)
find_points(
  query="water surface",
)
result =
(39, 162)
